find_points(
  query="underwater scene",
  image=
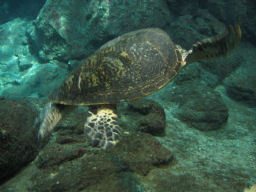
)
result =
(127, 96)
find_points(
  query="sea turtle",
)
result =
(126, 68)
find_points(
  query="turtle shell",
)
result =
(128, 67)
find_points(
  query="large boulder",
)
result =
(21, 75)
(229, 12)
(68, 162)
(66, 30)
(224, 66)
(191, 27)
(146, 116)
(43, 80)
(18, 138)
(74, 165)
(16, 60)
(240, 85)
(244, 14)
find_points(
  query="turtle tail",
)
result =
(219, 45)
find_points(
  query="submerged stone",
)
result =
(240, 85)
(65, 30)
(200, 107)
(18, 139)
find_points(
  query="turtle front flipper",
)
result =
(219, 45)
(102, 126)
(48, 119)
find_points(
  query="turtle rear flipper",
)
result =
(102, 127)
(220, 45)
(48, 118)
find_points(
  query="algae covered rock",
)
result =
(18, 139)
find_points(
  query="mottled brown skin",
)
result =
(126, 68)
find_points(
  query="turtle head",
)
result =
(181, 55)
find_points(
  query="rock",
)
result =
(196, 72)
(149, 116)
(24, 9)
(18, 139)
(70, 163)
(187, 29)
(242, 94)
(140, 152)
(55, 154)
(222, 67)
(178, 183)
(80, 167)
(240, 85)
(66, 30)
(17, 65)
(200, 107)
(45, 79)
(182, 7)
(224, 11)
(188, 180)
(24, 66)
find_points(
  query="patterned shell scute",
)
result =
(126, 68)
